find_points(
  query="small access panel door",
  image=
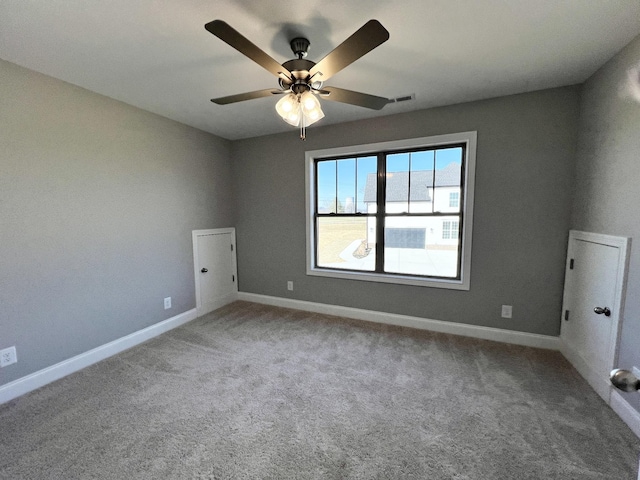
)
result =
(214, 259)
(592, 304)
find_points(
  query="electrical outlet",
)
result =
(167, 303)
(507, 311)
(8, 356)
(290, 285)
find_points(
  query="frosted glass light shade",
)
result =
(293, 108)
(288, 108)
(310, 108)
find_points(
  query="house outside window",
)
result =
(397, 212)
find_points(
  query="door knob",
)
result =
(600, 311)
(204, 270)
(624, 380)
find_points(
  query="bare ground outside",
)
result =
(336, 234)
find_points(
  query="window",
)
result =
(397, 212)
(449, 229)
(454, 199)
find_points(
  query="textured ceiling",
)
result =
(156, 54)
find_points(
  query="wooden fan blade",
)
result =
(229, 35)
(355, 98)
(368, 37)
(241, 97)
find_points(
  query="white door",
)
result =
(591, 314)
(214, 262)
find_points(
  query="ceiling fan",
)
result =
(301, 80)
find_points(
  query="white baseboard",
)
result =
(54, 372)
(602, 386)
(216, 304)
(485, 333)
(599, 383)
(625, 411)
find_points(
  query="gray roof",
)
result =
(421, 181)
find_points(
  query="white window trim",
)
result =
(468, 138)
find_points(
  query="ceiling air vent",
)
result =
(403, 98)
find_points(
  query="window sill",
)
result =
(385, 278)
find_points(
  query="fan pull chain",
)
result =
(303, 130)
(303, 127)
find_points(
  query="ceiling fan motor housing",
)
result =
(299, 69)
(300, 46)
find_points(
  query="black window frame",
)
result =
(380, 215)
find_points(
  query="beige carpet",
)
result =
(255, 392)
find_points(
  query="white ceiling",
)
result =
(156, 54)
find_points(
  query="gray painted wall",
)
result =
(524, 178)
(607, 176)
(97, 203)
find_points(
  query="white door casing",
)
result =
(594, 277)
(214, 251)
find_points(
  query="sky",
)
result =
(346, 178)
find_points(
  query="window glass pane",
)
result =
(326, 187)
(421, 182)
(448, 181)
(367, 185)
(346, 243)
(397, 195)
(346, 186)
(416, 246)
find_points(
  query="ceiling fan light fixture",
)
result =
(313, 116)
(288, 109)
(309, 102)
(293, 119)
(299, 110)
(311, 108)
(287, 103)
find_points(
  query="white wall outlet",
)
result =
(167, 303)
(290, 285)
(507, 311)
(8, 356)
